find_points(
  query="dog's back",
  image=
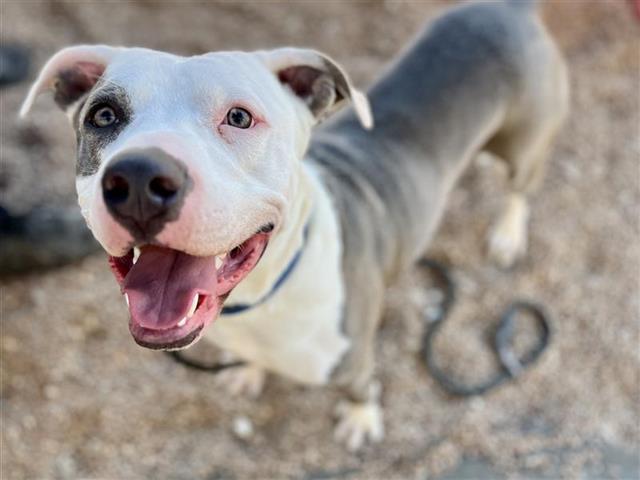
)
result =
(484, 75)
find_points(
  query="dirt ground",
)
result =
(80, 400)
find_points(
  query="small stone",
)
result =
(242, 427)
(432, 313)
(477, 404)
(51, 392)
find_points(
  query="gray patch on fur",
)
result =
(93, 140)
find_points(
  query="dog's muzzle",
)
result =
(144, 189)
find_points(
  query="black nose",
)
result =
(143, 190)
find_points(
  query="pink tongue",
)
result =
(162, 283)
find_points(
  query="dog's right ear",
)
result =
(70, 74)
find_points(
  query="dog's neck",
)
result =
(283, 246)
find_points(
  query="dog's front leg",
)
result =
(247, 380)
(360, 420)
(360, 413)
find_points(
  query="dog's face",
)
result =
(186, 166)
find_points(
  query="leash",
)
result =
(203, 367)
(512, 365)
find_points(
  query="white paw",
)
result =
(506, 245)
(242, 381)
(358, 423)
(508, 239)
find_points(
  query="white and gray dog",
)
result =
(202, 180)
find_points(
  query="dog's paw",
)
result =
(247, 380)
(358, 423)
(508, 239)
(507, 244)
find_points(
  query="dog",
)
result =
(201, 178)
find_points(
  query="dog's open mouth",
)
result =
(172, 296)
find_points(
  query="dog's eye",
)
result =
(239, 118)
(103, 116)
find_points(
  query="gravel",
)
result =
(81, 400)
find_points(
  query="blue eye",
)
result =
(103, 116)
(239, 118)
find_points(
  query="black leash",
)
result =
(203, 367)
(512, 365)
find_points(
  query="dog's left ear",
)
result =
(318, 81)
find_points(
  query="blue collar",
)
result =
(243, 307)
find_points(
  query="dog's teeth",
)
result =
(136, 254)
(182, 322)
(126, 298)
(194, 305)
(219, 262)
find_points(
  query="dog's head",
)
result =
(185, 166)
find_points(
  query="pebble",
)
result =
(242, 427)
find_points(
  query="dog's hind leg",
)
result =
(507, 240)
(524, 145)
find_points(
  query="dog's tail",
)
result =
(528, 5)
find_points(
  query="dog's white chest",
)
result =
(297, 331)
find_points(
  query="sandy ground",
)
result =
(80, 399)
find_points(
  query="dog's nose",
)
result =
(143, 190)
